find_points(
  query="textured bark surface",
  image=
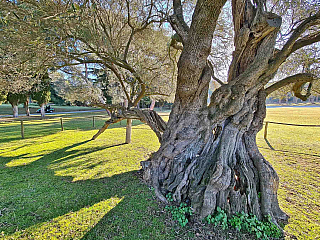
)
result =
(208, 154)
(26, 107)
(43, 113)
(15, 111)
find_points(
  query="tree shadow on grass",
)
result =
(286, 151)
(36, 202)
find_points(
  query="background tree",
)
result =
(41, 92)
(14, 99)
(121, 36)
(25, 99)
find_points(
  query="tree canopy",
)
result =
(122, 37)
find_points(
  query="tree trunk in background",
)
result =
(43, 112)
(208, 154)
(152, 104)
(128, 131)
(312, 99)
(129, 125)
(26, 107)
(15, 111)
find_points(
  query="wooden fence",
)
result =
(60, 120)
(288, 124)
(96, 116)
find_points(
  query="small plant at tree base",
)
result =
(246, 223)
(179, 213)
(220, 218)
(251, 224)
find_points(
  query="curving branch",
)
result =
(293, 43)
(305, 42)
(177, 21)
(150, 117)
(299, 81)
(209, 64)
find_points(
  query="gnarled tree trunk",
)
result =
(208, 153)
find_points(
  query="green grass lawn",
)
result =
(63, 186)
(60, 185)
(295, 154)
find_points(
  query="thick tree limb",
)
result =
(177, 21)
(196, 50)
(305, 42)
(150, 117)
(105, 126)
(293, 43)
(299, 79)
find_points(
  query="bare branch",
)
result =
(212, 73)
(288, 48)
(177, 21)
(305, 42)
(299, 81)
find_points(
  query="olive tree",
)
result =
(208, 153)
(41, 92)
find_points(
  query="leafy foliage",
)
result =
(41, 92)
(3, 97)
(246, 223)
(219, 219)
(179, 213)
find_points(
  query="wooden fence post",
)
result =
(61, 122)
(22, 129)
(93, 121)
(128, 130)
(266, 130)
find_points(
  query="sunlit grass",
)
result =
(296, 158)
(61, 185)
(47, 182)
(73, 225)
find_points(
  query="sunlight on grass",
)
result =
(49, 180)
(296, 158)
(73, 225)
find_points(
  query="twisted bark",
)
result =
(208, 154)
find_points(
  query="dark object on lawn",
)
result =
(48, 109)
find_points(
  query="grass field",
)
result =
(295, 154)
(60, 185)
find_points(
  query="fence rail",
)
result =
(95, 117)
(60, 120)
(288, 124)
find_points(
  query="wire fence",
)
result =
(40, 127)
(265, 134)
(26, 128)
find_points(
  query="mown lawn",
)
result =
(295, 154)
(60, 185)
(63, 186)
